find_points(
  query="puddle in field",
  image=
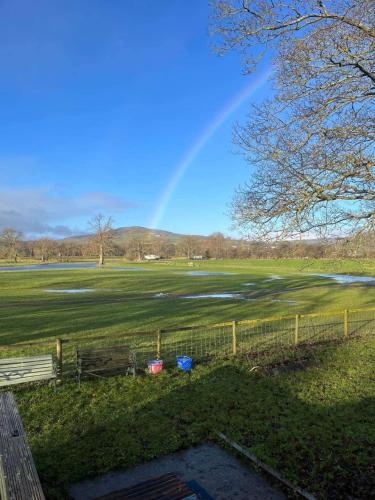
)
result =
(347, 278)
(225, 295)
(207, 273)
(69, 290)
(274, 277)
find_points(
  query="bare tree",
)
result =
(44, 248)
(11, 239)
(136, 247)
(312, 146)
(102, 238)
(218, 245)
(189, 245)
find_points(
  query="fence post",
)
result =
(346, 324)
(296, 330)
(158, 343)
(59, 355)
(234, 338)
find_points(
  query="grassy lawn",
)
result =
(124, 300)
(313, 424)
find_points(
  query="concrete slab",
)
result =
(216, 471)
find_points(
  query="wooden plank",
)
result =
(115, 348)
(27, 361)
(18, 476)
(26, 368)
(234, 338)
(4, 377)
(59, 356)
(98, 354)
(158, 344)
(4, 383)
(166, 487)
(104, 366)
(114, 369)
(106, 352)
(105, 359)
(47, 357)
(22, 370)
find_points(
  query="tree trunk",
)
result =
(101, 256)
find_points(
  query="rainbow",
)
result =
(189, 156)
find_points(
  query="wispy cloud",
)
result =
(38, 211)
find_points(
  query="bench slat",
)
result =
(5, 383)
(22, 370)
(25, 359)
(24, 377)
(26, 368)
(117, 348)
(106, 360)
(4, 374)
(29, 362)
(18, 476)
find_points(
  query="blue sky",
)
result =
(100, 103)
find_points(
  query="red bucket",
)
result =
(155, 366)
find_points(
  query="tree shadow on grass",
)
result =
(321, 445)
(21, 322)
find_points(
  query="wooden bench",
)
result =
(30, 369)
(18, 476)
(105, 360)
(167, 487)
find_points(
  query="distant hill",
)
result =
(122, 234)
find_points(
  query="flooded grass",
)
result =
(348, 278)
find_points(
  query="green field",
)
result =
(311, 417)
(314, 424)
(124, 300)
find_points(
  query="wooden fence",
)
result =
(259, 339)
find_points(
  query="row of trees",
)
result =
(102, 243)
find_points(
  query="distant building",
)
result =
(152, 257)
(198, 257)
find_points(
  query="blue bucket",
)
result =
(184, 363)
